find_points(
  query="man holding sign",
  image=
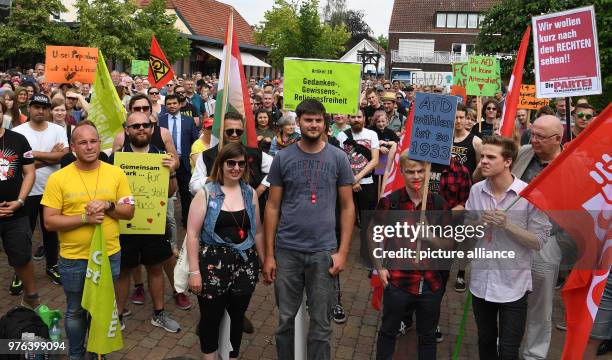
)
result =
(149, 249)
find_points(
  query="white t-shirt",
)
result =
(43, 141)
(367, 138)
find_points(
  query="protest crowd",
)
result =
(282, 208)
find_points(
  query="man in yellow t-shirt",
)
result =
(76, 198)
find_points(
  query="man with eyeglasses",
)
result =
(150, 250)
(186, 107)
(184, 132)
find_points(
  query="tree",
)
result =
(333, 12)
(383, 41)
(292, 29)
(357, 26)
(29, 29)
(510, 19)
(110, 26)
(153, 20)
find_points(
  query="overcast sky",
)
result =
(378, 17)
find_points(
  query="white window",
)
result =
(416, 47)
(451, 20)
(440, 20)
(472, 21)
(462, 20)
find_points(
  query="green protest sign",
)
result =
(460, 73)
(483, 76)
(140, 67)
(335, 84)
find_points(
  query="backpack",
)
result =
(21, 320)
(358, 155)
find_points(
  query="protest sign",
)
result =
(460, 73)
(528, 99)
(431, 78)
(567, 56)
(460, 92)
(68, 64)
(483, 76)
(335, 84)
(149, 183)
(431, 138)
(140, 67)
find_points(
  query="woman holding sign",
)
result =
(224, 248)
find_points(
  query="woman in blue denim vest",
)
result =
(224, 241)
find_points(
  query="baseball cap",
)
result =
(40, 99)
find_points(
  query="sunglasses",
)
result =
(491, 109)
(72, 98)
(153, 93)
(583, 115)
(232, 163)
(180, 92)
(233, 132)
(141, 125)
(141, 108)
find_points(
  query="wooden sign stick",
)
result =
(423, 204)
(479, 114)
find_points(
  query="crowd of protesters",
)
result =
(247, 210)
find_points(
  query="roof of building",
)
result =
(209, 18)
(419, 15)
(368, 45)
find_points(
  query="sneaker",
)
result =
(339, 315)
(16, 287)
(138, 297)
(247, 326)
(163, 321)
(53, 274)
(39, 254)
(122, 321)
(439, 335)
(126, 313)
(561, 326)
(560, 282)
(460, 284)
(182, 301)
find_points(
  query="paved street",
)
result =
(356, 339)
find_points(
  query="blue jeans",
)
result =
(73, 273)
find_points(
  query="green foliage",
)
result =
(292, 30)
(29, 28)
(383, 41)
(153, 20)
(510, 19)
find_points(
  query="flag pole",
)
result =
(226, 64)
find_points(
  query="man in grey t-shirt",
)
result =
(305, 180)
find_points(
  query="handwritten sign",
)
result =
(431, 78)
(140, 67)
(567, 56)
(460, 73)
(432, 130)
(483, 76)
(68, 64)
(335, 84)
(149, 183)
(528, 99)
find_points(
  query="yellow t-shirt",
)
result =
(196, 148)
(66, 191)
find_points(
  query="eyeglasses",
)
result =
(170, 84)
(141, 108)
(140, 125)
(180, 92)
(232, 163)
(153, 93)
(387, 88)
(233, 132)
(72, 98)
(538, 137)
(584, 115)
(491, 109)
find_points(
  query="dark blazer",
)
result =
(189, 134)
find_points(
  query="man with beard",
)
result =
(187, 108)
(362, 147)
(150, 250)
(396, 120)
(299, 226)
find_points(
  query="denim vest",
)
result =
(213, 208)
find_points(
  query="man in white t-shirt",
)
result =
(49, 144)
(362, 147)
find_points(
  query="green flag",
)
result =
(99, 299)
(106, 110)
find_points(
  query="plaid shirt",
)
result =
(455, 183)
(411, 281)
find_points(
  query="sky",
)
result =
(253, 11)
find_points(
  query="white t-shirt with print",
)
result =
(367, 138)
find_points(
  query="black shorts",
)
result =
(17, 240)
(144, 249)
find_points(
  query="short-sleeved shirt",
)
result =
(305, 226)
(15, 152)
(369, 140)
(70, 189)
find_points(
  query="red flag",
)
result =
(160, 71)
(395, 180)
(580, 180)
(506, 127)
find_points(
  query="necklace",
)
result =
(84, 185)
(241, 233)
(313, 185)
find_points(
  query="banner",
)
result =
(528, 99)
(148, 180)
(432, 130)
(460, 73)
(140, 67)
(99, 299)
(431, 78)
(483, 76)
(106, 110)
(68, 64)
(335, 84)
(567, 56)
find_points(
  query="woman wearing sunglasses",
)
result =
(489, 118)
(224, 248)
(156, 100)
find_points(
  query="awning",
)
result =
(247, 59)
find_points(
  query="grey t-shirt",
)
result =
(305, 226)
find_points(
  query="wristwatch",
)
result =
(111, 206)
(21, 202)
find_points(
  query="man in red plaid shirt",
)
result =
(420, 290)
